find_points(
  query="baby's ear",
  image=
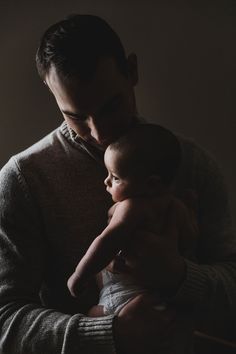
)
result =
(154, 183)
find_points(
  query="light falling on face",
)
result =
(118, 186)
(100, 110)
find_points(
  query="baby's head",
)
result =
(143, 162)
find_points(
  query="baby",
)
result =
(141, 166)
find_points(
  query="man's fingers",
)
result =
(144, 325)
(152, 306)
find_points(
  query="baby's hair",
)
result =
(148, 149)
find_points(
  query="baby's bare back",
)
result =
(150, 215)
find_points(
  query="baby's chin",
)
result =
(117, 200)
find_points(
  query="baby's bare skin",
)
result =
(127, 219)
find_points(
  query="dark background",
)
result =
(186, 55)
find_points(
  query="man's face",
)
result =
(100, 110)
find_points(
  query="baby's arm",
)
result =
(105, 246)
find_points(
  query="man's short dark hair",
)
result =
(148, 149)
(75, 45)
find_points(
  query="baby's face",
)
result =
(119, 187)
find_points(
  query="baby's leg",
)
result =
(96, 311)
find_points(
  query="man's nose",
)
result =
(97, 130)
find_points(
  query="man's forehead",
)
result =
(57, 82)
(105, 84)
(106, 70)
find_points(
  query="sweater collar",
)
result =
(75, 140)
(79, 143)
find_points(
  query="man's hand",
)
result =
(141, 327)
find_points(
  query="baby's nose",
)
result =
(107, 181)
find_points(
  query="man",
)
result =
(53, 203)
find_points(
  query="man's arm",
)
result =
(27, 327)
(103, 249)
(214, 272)
(209, 280)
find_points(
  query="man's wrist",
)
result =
(116, 333)
(97, 332)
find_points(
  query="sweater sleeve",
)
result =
(26, 326)
(211, 279)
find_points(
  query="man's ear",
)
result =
(133, 68)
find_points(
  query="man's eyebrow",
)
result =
(75, 115)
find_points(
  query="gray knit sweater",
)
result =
(52, 204)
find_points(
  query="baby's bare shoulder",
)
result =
(128, 204)
(130, 207)
(126, 215)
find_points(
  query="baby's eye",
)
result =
(116, 179)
